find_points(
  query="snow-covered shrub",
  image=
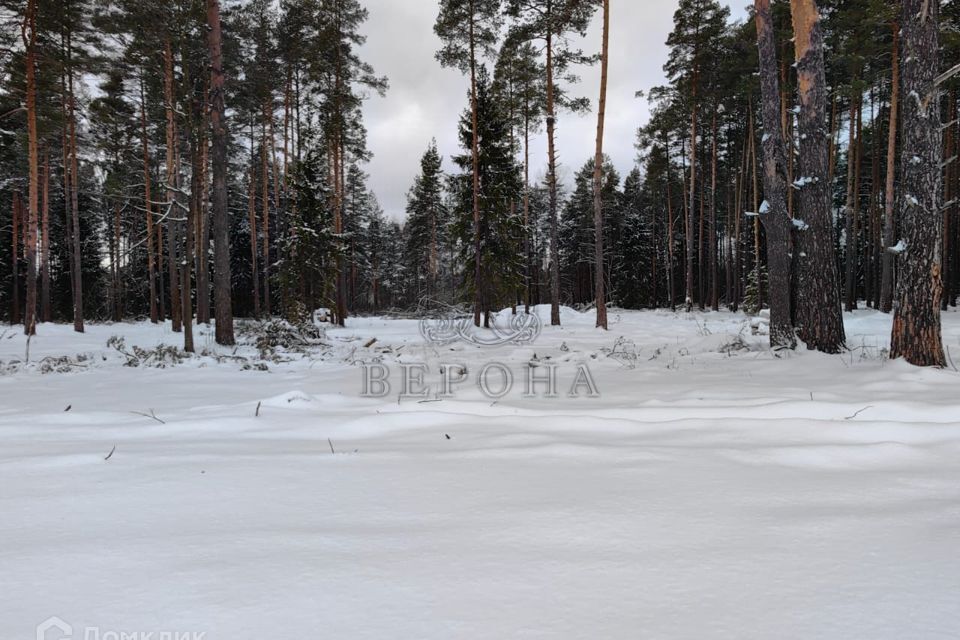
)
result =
(270, 336)
(161, 356)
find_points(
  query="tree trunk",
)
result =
(916, 320)
(221, 238)
(28, 31)
(187, 263)
(16, 214)
(671, 265)
(818, 313)
(552, 178)
(478, 297)
(691, 208)
(148, 206)
(712, 253)
(115, 264)
(757, 262)
(173, 259)
(850, 210)
(46, 312)
(202, 226)
(74, 199)
(599, 294)
(252, 220)
(889, 222)
(528, 267)
(265, 218)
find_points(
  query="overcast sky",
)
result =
(425, 100)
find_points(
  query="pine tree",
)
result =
(916, 320)
(818, 307)
(889, 222)
(599, 282)
(468, 29)
(28, 31)
(698, 26)
(551, 22)
(222, 289)
(774, 214)
(520, 84)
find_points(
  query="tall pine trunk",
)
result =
(222, 280)
(889, 198)
(16, 214)
(252, 223)
(46, 312)
(916, 319)
(690, 211)
(552, 178)
(478, 297)
(712, 250)
(28, 31)
(852, 206)
(76, 250)
(818, 312)
(599, 294)
(173, 259)
(265, 217)
(202, 226)
(148, 206)
(775, 216)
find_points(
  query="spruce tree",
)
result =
(552, 22)
(468, 30)
(495, 233)
(426, 215)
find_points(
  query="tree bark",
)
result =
(252, 221)
(148, 206)
(599, 293)
(671, 265)
(46, 313)
(552, 178)
(265, 217)
(818, 313)
(712, 252)
(889, 198)
(850, 209)
(29, 33)
(691, 208)
(478, 298)
(916, 320)
(202, 226)
(16, 214)
(173, 259)
(76, 252)
(222, 280)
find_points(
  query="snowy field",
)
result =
(713, 490)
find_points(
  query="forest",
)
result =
(478, 319)
(189, 161)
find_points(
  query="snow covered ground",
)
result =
(713, 490)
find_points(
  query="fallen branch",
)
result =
(149, 415)
(110, 455)
(858, 412)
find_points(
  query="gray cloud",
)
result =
(425, 100)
